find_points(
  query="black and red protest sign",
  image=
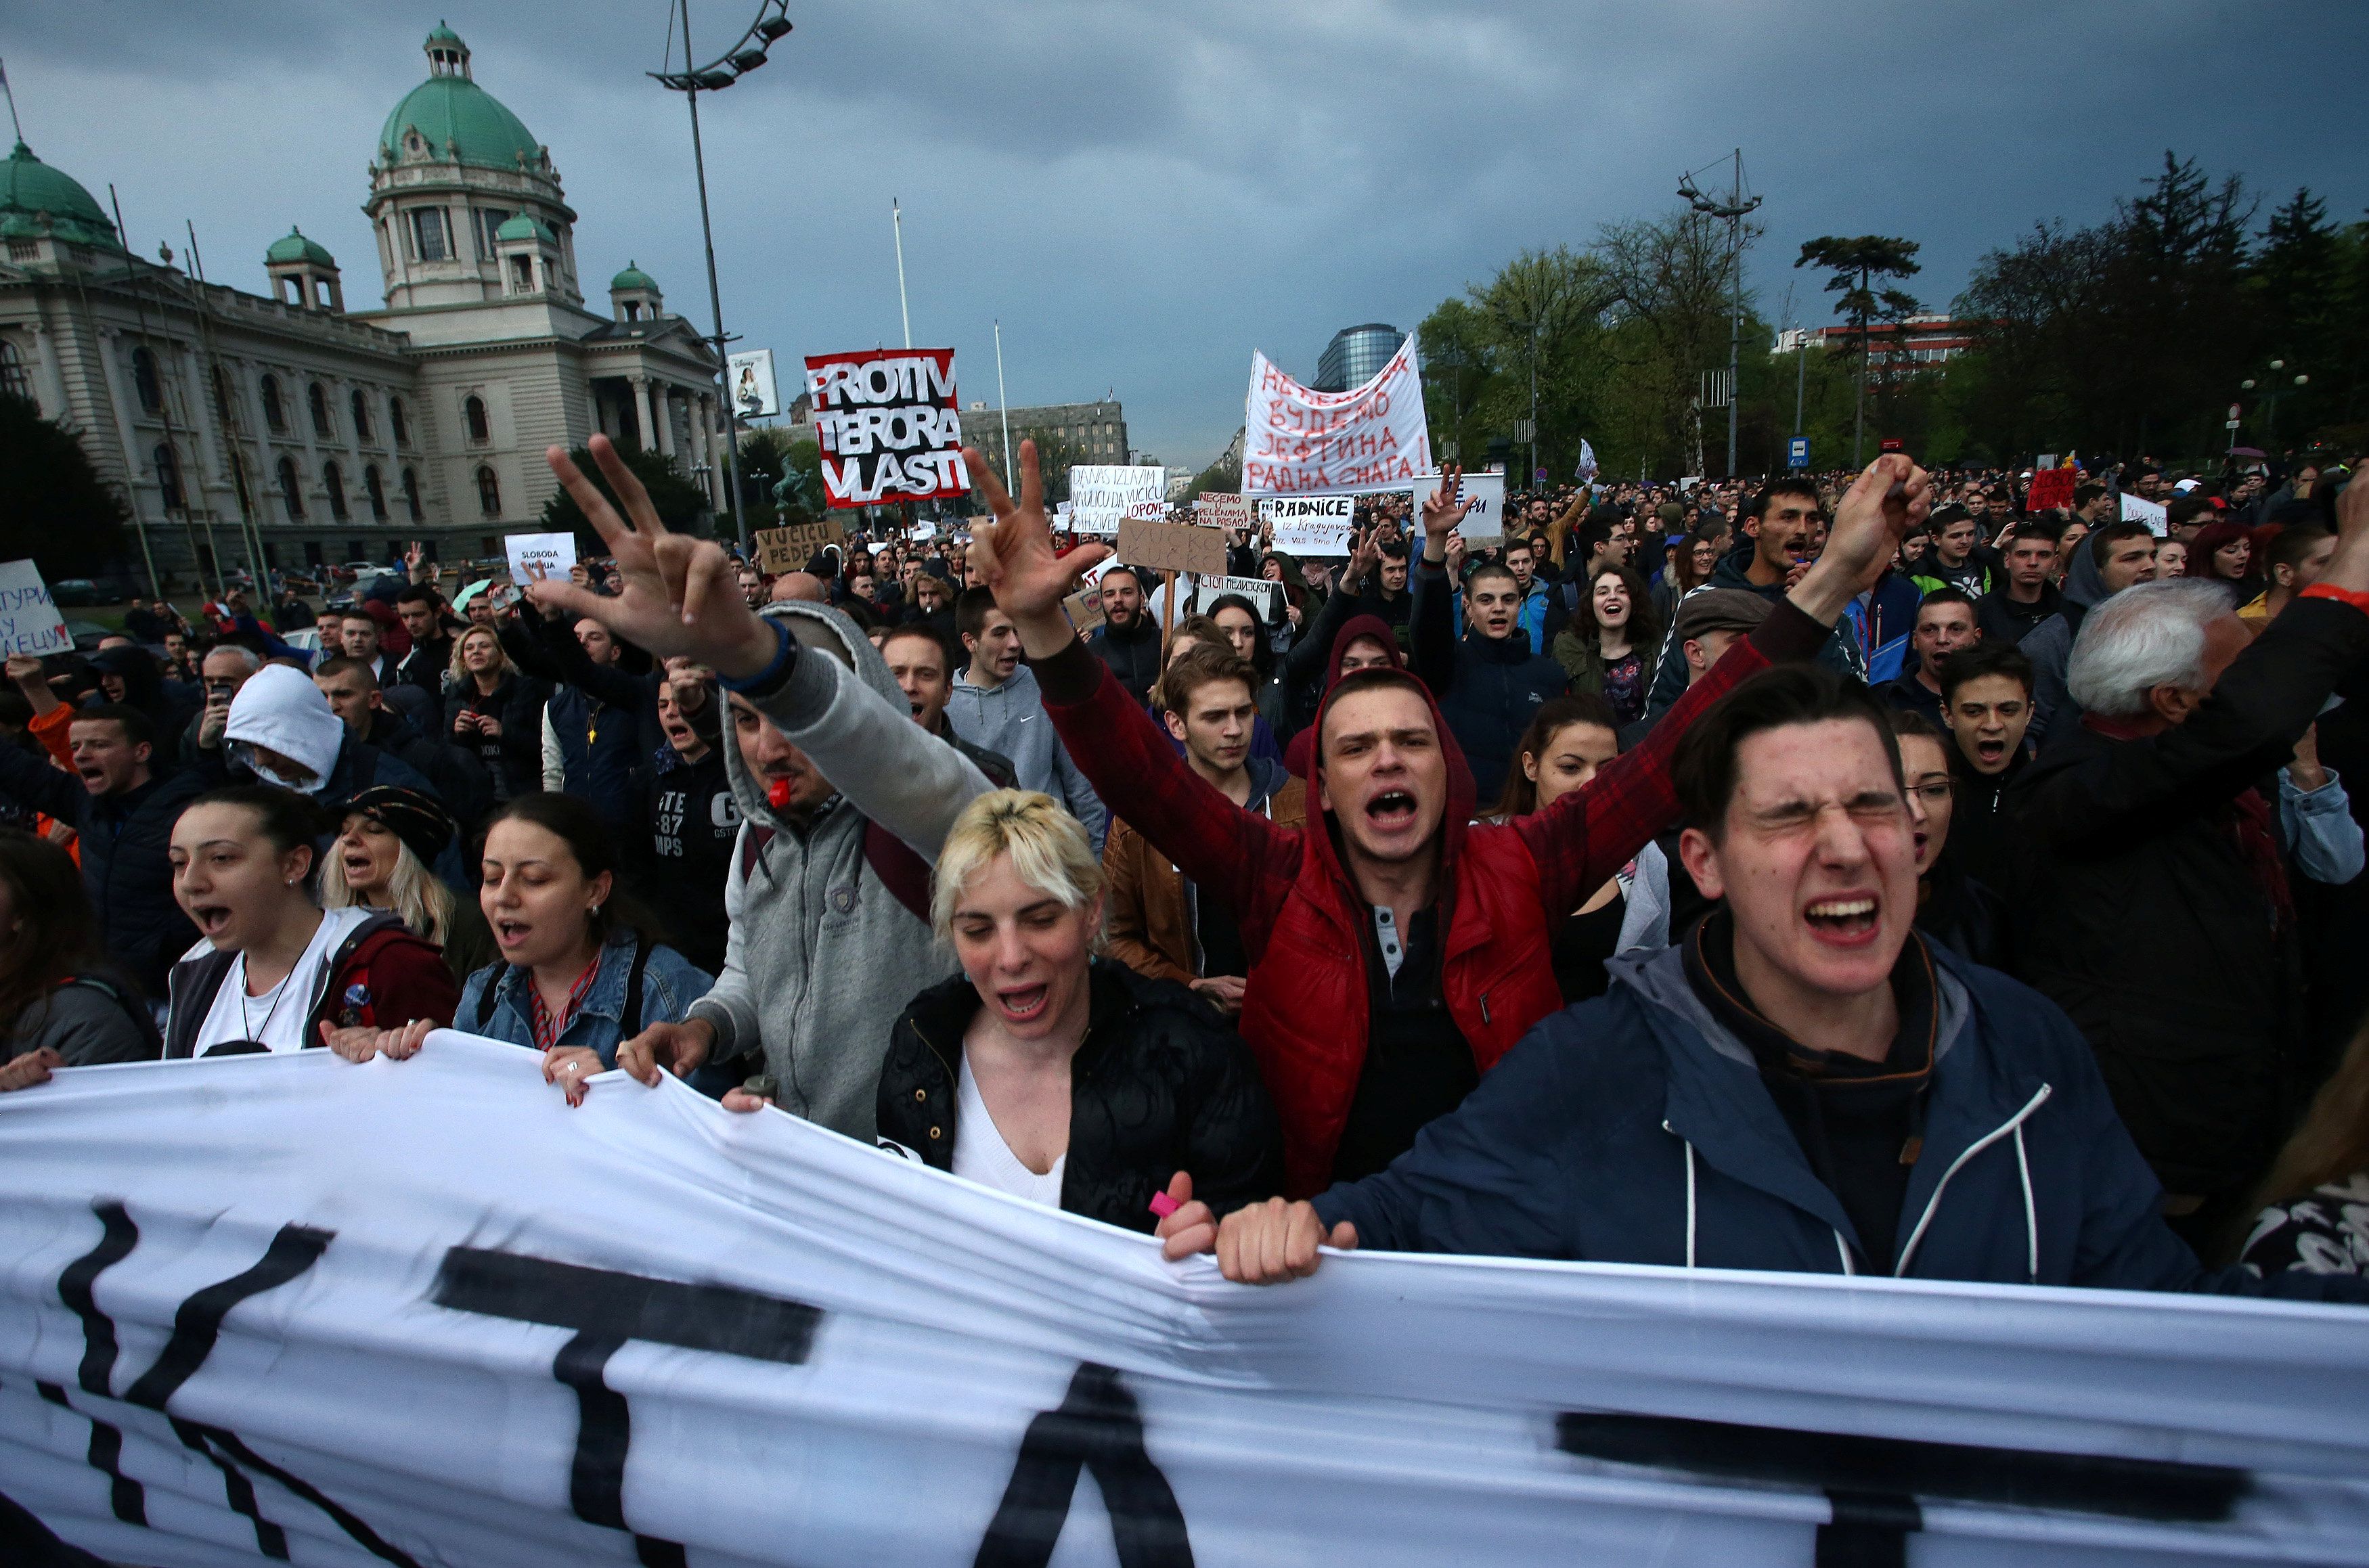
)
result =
(889, 424)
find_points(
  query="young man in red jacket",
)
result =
(1399, 951)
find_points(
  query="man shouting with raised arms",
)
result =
(1397, 949)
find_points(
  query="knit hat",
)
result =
(1718, 610)
(424, 826)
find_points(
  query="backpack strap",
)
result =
(903, 873)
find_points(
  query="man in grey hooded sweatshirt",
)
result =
(2110, 560)
(846, 802)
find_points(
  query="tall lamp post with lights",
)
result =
(772, 25)
(2272, 386)
(1732, 210)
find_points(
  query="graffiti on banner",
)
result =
(1299, 441)
(1102, 494)
(888, 425)
(1171, 546)
(30, 621)
(1309, 525)
(789, 549)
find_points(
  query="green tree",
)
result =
(53, 507)
(1855, 265)
(1056, 455)
(1669, 280)
(681, 505)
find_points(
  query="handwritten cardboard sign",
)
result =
(30, 621)
(1172, 546)
(1258, 590)
(2051, 487)
(1221, 510)
(1085, 609)
(789, 549)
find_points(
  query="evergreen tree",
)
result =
(53, 507)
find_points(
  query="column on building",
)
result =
(641, 384)
(662, 406)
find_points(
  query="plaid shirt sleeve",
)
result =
(1238, 856)
(1581, 840)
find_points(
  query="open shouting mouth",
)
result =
(1848, 920)
(1391, 808)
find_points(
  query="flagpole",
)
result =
(1002, 407)
(897, 221)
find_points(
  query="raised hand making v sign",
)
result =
(1014, 556)
(678, 594)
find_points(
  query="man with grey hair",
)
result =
(2154, 893)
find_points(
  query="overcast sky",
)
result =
(1145, 192)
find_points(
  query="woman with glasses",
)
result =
(1953, 908)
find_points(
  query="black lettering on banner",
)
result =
(197, 1326)
(1097, 1428)
(606, 1309)
(1873, 1483)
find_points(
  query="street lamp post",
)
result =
(772, 24)
(1734, 209)
(2272, 391)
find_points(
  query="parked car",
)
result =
(75, 591)
(86, 635)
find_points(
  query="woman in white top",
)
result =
(274, 971)
(1045, 1072)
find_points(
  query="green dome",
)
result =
(633, 277)
(455, 109)
(28, 186)
(526, 226)
(294, 247)
(444, 34)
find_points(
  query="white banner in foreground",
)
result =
(422, 1313)
(1298, 441)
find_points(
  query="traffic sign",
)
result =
(1797, 452)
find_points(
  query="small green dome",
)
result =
(294, 247)
(444, 34)
(526, 226)
(28, 186)
(455, 109)
(633, 277)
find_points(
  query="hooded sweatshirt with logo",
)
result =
(827, 947)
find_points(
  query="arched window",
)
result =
(319, 402)
(361, 415)
(291, 495)
(396, 422)
(473, 410)
(146, 381)
(13, 380)
(274, 414)
(411, 493)
(335, 482)
(374, 489)
(490, 492)
(169, 477)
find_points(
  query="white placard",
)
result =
(755, 395)
(2154, 514)
(1101, 496)
(1208, 591)
(424, 1312)
(30, 621)
(554, 553)
(1309, 525)
(1484, 524)
(1298, 441)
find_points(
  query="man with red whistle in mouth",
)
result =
(1397, 948)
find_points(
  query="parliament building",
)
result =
(227, 419)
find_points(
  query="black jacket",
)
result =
(693, 823)
(514, 758)
(1158, 1086)
(2137, 913)
(1133, 655)
(125, 865)
(1487, 691)
(453, 773)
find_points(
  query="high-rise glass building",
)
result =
(1356, 355)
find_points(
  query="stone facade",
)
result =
(231, 421)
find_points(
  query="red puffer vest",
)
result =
(1305, 1007)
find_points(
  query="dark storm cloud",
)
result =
(1143, 193)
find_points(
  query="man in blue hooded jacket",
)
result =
(1804, 1084)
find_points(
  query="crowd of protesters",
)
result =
(1867, 872)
